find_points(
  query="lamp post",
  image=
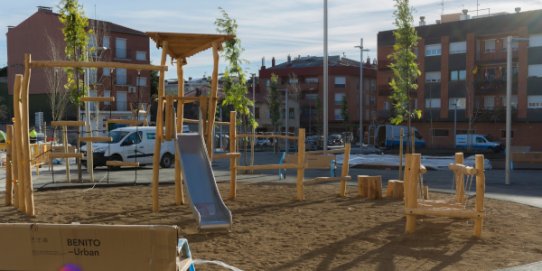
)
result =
(286, 116)
(361, 50)
(509, 41)
(455, 123)
(325, 98)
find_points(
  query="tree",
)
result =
(76, 38)
(58, 95)
(404, 66)
(234, 79)
(273, 100)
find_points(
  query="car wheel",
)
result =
(166, 161)
(114, 157)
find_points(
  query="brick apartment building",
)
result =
(463, 81)
(112, 42)
(302, 77)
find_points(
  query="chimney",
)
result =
(518, 10)
(437, 21)
(45, 9)
(289, 59)
(422, 20)
(273, 62)
(368, 61)
(263, 63)
(465, 11)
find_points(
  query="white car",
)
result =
(132, 144)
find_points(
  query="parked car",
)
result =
(389, 136)
(335, 140)
(263, 142)
(131, 144)
(477, 142)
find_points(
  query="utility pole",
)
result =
(325, 98)
(361, 50)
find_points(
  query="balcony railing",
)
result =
(493, 85)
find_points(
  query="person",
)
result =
(33, 135)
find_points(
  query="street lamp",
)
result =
(509, 41)
(455, 122)
(361, 50)
(325, 98)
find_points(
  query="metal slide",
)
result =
(204, 197)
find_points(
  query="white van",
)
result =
(132, 144)
(477, 142)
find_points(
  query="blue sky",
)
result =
(266, 28)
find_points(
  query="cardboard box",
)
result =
(51, 247)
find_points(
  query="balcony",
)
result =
(494, 86)
(384, 90)
(308, 86)
(495, 56)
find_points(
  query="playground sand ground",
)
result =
(271, 231)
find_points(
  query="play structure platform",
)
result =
(204, 198)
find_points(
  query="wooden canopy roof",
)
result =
(184, 45)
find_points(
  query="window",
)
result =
(535, 40)
(440, 132)
(311, 97)
(121, 76)
(534, 101)
(92, 76)
(120, 48)
(92, 93)
(372, 82)
(489, 102)
(339, 98)
(513, 101)
(432, 77)
(311, 80)
(141, 55)
(256, 112)
(515, 45)
(151, 136)
(141, 81)
(459, 47)
(433, 50)
(459, 102)
(107, 93)
(386, 105)
(122, 101)
(489, 45)
(106, 72)
(432, 103)
(340, 81)
(458, 75)
(133, 138)
(291, 113)
(293, 81)
(535, 70)
(338, 114)
(105, 42)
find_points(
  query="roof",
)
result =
(316, 61)
(184, 45)
(117, 28)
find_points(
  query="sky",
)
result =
(266, 28)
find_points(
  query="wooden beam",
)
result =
(28, 185)
(268, 166)
(344, 169)
(67, 123)
(213, 101)
(443, 212)
(245, 135)
(124, 121)
(97, 64)
(97, 99)
(179, 192)
(300, 164)
(65, 155)
(159, 130)
(233, 159)
(9, 173)
(121, 164)
(480, 193)
(462, 169)
(412, 174)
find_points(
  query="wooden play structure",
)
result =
(456, 208)
(180, 47)
(319, 163)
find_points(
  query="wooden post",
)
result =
(179, 190)
(395, 189)
(233, 159)
(9, 174)
(370, 186)
(344, 169)
(159, 130)
(412, 172)
(65, 145)
(480, 191)
(362, 192)
(300, 163)
(213, 101)
(400, 154)
(18, 138)
(29, 196)
(459, 177)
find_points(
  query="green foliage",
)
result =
(273, 99)
(234, 79)
(154, 82)
(404, 65)
(76, 37)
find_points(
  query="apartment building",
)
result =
(41, 35)
(463, 83)
(302, 79)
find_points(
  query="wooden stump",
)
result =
(370, 186)
(395, 189)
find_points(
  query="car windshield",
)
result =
(116, 136)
